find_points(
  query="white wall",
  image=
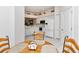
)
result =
(19, 24)
(4, 20)
(12, 25)
(16, 25)
(7, 23)
(75, 27)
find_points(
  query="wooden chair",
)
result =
(4, 45)
(39, 36)
(70, 46)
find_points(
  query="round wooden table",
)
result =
(44, 49)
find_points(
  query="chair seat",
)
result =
(39, 35)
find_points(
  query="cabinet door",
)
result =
(66, 23)
(62, 24)
(56, 27)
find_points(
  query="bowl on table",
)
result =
(32, 46)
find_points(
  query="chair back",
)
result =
(4, 45)
(39, 36)
(70, 46)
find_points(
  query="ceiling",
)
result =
(38, 10)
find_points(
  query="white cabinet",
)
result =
(69, 23)
(62, 17)
(56, 27)
(66, 23)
